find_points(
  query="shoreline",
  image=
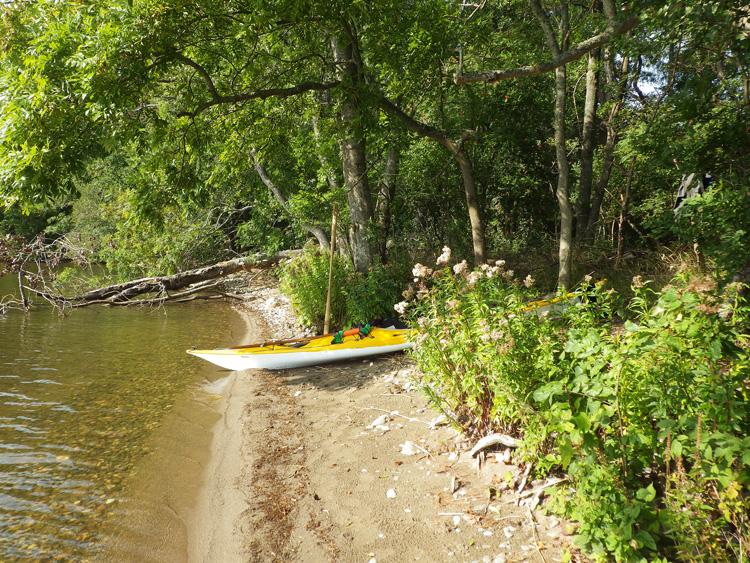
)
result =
(347, 462)
(219, 503)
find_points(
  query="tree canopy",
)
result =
(490, 128)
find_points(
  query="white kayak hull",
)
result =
(308, 352)
(237, 362)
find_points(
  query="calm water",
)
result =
(86, 403)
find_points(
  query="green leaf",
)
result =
(645, 539)
(632, 327)
(646, 494)
(582, 422)
(714, 349)
(676, 450)
(566, 452)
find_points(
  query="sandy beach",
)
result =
(347, 463)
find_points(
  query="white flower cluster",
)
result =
(419, 271)
(473, 278)
(488, 270)
(445, 257)
(485, 330)
(401, 307)
(498, 334)
(529, 281)
(491, 271)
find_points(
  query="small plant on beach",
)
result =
(355, 298)
(647, 413)
(305, 281)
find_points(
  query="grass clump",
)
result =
(644, 403)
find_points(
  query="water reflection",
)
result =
(80, 399)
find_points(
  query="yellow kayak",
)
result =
(286, 354)
(554, 304)
(342, 345)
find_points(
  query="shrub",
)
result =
(648, 415)
(305, 281)
(719, 221)
(355, 298)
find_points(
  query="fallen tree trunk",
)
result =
(165, 288)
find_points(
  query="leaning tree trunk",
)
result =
(353, 149)
(317, 232)
(464, 162)
(166, 288)
(472, 202)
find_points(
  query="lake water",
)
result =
(102, 416)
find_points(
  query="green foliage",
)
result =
(355, 298)
(36, 219)
(719, 221)
(374, 293)
(56, 95)
(305, 281)
(647, 416)
(138, 249)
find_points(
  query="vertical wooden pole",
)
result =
(23, 294)
(327, 322)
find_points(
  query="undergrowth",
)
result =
(643, 404)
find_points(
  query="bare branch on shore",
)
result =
(178, 288)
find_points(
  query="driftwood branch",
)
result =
(494, 440)
(182, 286)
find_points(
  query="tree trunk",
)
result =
(601, 186)
(317, 232)
(563, 183)
(464, 162)
(588, 142)
(609, 149)
(353, 150)
(472, 202)
(387, 192)
(624, 203)
(563, 167)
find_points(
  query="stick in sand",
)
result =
(327, 322)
